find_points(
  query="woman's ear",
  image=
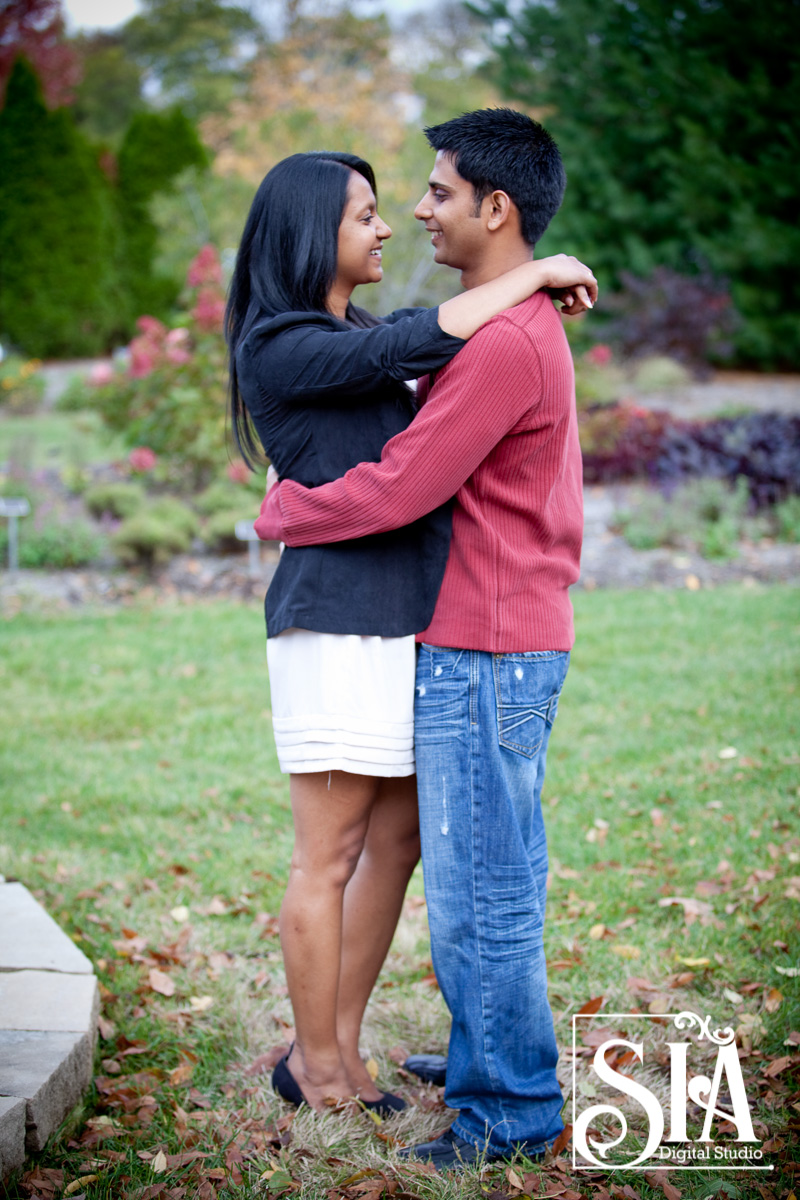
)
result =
(497, 208)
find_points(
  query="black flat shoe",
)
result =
(285, 1084)
(385, 1105)
(430, 1068)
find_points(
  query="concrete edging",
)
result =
(49, 1004)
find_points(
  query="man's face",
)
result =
(458, 233)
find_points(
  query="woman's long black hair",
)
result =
(287, 257)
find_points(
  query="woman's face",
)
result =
(361, 234)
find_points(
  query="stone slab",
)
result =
(30, 938)
(50, 1002)
(50, 1071)
(12, 1134)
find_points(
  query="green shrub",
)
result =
(114, 499)
(787, 519)
(21, 385)
(175, 513)
(220, 497)
(60, 544)
(147, 539)
(219, 531)
(704, 515)
(659, 374)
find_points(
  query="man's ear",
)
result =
(497, 208)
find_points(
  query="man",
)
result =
(498, 431)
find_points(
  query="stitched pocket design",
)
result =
(527, 688)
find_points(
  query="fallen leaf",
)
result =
(693, 962)
(778, 1065)
(565, 1136)
(159, 1163)
(182, 1073)
(728, 752)
(597, 931)
(201, 1003)
(514, 1179)
(77, 1184)
(160, 982)
(625, 951)
(266, 1062)
(179, 913)
(692, 583)
(107, 1028)
(793, 972)
(772, 1001)
(372, 1068)
(592, 1006)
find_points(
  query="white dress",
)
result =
(343, 702)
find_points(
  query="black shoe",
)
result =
(430, 1068)
(285, 1084)
(451, 1152)
(385, 1105)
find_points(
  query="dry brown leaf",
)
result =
(513, 1178)
(592, 1006)
(107, 1028)
(159, 1163)
(160, 982)
(565, 1136)
(778, 1065)
(772, 1001)
(266, 1062)
(181, 1074)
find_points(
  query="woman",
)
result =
(322, 385)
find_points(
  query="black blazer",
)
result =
(324, 396)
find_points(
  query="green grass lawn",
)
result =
(57, 439)
(142, 802)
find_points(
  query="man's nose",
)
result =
(423, 210)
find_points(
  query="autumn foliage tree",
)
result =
(34, 29)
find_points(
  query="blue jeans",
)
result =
(482, 722)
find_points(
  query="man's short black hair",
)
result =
(501, 149)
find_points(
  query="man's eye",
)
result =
(440, 195)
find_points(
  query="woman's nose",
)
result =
(384, 231)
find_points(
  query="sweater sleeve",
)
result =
(304, 357)
(473, 405)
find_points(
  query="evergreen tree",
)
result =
(156, 148)
(678, 126)
(59, 293)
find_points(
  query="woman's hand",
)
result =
(272, 478)
(569, 280)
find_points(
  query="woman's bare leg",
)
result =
(373, 900)
(331, 814)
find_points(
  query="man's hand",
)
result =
(569, 280)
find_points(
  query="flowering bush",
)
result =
(169, 398)
(21, 385)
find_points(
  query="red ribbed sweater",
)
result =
(497, 430)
